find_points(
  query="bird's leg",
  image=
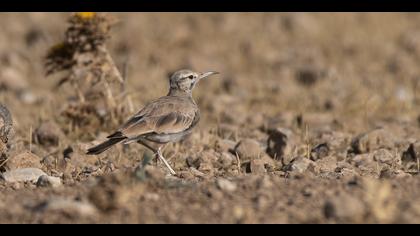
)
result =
(159, 154)
(144, 143)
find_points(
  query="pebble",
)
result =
(70, 206)
(309, 75)
(257, 166)
(384, 156)
(227, 159)
(48, 133)
(224, 145)
(365, 160)
(280, 143)
(12, 79)
(299, 165)
(411, 156)
(24, 160)
(226, 185)
(344, 208)
(48, 181)
(248, 149)
(22, 175)
(373, 140)
(319, 151)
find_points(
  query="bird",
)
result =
(166, 119)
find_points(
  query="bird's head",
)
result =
(185, 80)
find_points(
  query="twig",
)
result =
(30, 139)
(114, 68)
(109, 95)
(308, 151)
(130, 104)
(79, 93)
(124, 75)
(4, 162)
(238, 161)
(7, 124)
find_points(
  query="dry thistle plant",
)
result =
(87, 65)
(6, 125)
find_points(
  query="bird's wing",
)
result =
(164, 115)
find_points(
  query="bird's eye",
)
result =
(191, 77)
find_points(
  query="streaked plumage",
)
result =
(166, 119)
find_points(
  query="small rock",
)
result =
(365, 160)
(238, 213)
(24, 160)
(206, 168)
(224, 145)
(67, 153)
(193, 162)
(48, 181)
(280, 144)
(226, 131)
(248, 149)
(309, 75)
(197, 173)
(299, 165)
(48, 133)
(384, 156)
(307, 192)
(151, 196)
(49, 161)
(22, 175)
(345, 208)
(69, 206)
(387, 174)
(215, 193)
(327, 164)
(208, 158)
(257, 166)
(345, 169)
(337, 142)
(186, 175)
(12, 79)
(373, 140)
(227, 159)
(16, 186)
(226, 185)
(319, 151)
(28, 97)
(410, 157)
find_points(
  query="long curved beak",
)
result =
(207, 74)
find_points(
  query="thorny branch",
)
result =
(7, 124)
(5, 129)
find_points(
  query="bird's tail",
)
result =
(98, 149)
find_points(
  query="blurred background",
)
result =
(357, 67)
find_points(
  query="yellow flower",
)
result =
(86, 15)
(57, 47)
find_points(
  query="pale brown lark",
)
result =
(166, 119)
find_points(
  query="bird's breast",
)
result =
(173, 137)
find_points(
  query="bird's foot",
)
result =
(159, 154)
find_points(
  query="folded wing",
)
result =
(162, 116)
